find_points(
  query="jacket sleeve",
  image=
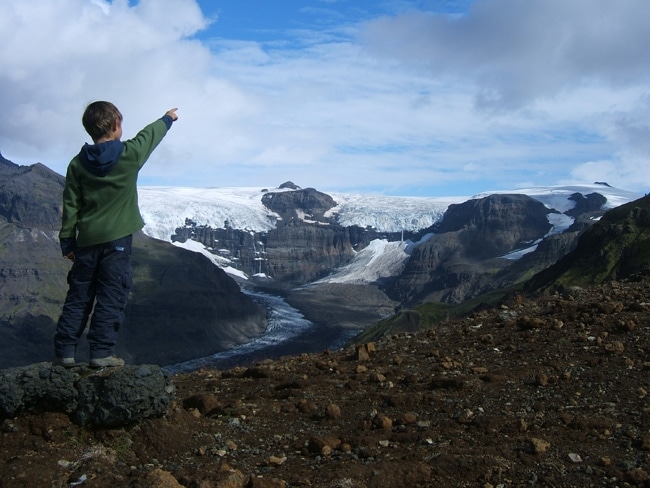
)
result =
(72, 199)
(145, 141)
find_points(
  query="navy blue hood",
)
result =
(100, 158)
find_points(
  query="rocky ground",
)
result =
(546, 392)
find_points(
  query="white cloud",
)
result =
(518, 51)
(509, 92)
(59, 56)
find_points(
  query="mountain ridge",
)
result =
(243, 209)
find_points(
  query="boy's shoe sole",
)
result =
(108, 362)
(65, 362)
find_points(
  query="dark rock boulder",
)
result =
(110, 397)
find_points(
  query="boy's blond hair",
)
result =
(98, 119)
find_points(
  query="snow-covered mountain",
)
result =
(166, 208)
(557, 197)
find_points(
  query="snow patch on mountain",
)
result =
(559, 223)
(380, 259)
(223, 263)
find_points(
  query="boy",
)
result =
(100, 214)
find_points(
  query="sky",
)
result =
(394, 97)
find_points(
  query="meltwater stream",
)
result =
(288, 333)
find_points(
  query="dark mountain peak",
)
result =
(9, 169)
(5, 164)
(30, 196)
(308, 204)
(586, 203)
(289, 185)
(500, 210)
(450, 266)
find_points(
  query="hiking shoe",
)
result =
(107, 362)
(65, 362)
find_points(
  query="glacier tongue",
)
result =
(166, 208)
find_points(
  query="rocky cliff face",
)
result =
(181, 308)
(467, 248)
(305, 245)
(465, 256)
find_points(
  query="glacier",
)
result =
(165, 208)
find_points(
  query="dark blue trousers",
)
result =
(100, 277)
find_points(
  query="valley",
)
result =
(540, 391)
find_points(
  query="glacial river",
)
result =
(287, 333)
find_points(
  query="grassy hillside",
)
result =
(427, 315)
(616, 247)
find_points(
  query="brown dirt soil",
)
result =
(545, 392)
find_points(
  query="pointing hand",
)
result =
(172, 113)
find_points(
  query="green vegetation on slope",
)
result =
(615, 248)
(428, 315)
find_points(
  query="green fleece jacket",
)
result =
(100, 198)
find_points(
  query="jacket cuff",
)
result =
(68, 245)
(167, 119)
